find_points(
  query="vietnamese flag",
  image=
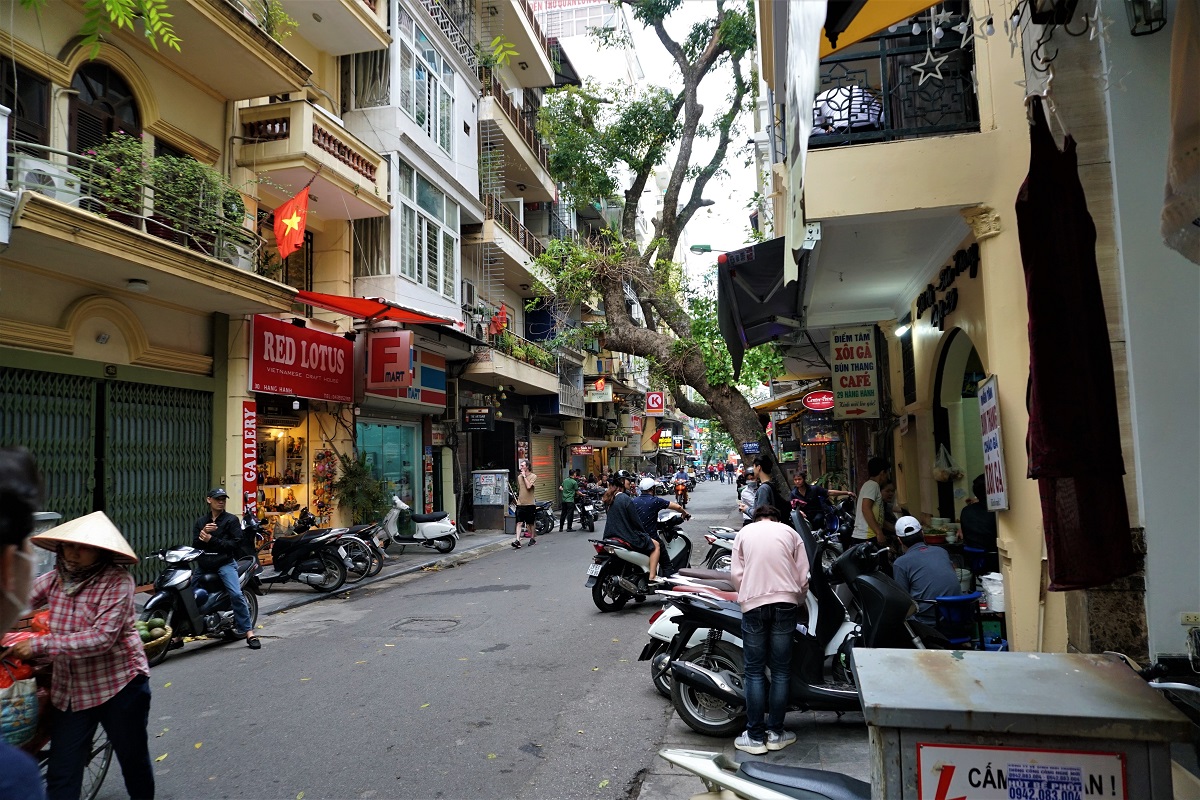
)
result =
(289, 224)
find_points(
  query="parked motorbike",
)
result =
(760, 780)
(543, 521)
(434, 530)
(313, 556)
(619, 574)
(663, 628)
(193, 602)
(585, 504)
(720, 547)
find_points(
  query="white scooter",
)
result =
(760, 780)
(434, 530)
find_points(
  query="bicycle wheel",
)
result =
(358, 558)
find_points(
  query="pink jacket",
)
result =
(770, 565)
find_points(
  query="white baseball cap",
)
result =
(907, 526)
(646, 484)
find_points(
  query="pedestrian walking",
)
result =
(219, 534)
(568, 487)
(100, 674)
(526, 506)
(769, 568)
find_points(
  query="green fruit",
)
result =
(157, 632)
(156, 622)
(146, 636)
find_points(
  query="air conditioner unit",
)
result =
(237, 255)
(468, 294)
(45, 177)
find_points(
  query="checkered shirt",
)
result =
(92, 643)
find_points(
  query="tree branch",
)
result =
(692, 408)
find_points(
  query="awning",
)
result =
(755, 302)
(850, 21)
(373, 309)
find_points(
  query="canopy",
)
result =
(372, 309)
(872, 17)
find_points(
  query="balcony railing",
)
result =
(455, 27)
(494, 210)
(282, 121)
(870, 93)
(492, 88)
(204, 225)
(523, 349)
(570, 399)
(597, 428)
(533, 23)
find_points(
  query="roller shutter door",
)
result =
(545, 467)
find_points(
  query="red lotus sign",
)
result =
(299, 362)
(820, 400)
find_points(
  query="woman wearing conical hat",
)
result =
(100, 674)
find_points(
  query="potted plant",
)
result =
(195, 202)
(118, 176)
(358, 491)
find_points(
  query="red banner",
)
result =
(389, 360)
(250, 456)
(289, 360)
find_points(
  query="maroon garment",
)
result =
(1074, 439)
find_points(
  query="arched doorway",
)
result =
(102, 103)
(956, 418)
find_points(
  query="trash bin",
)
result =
(510, 524)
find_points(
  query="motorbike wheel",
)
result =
(607, 594)
(359, 557)
(721, 561)
(335, 572)
(589, 523)
(376, 560)
(703, 713)
(161, 655)
(446, 544)
(661, 680)
(94, 771)
(544, 525)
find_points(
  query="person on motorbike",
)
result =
(811, 498)
(624, 522)
(219, 534)
(682, 475)
(648, 505)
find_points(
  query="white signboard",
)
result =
(966, 772)
(594, 395)
(993, 449)
(855, 390)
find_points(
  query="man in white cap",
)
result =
(219, 534)
(647, 504)
(20, 497)
(924, 571)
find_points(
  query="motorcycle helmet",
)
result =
(623, 475)
(647, 484)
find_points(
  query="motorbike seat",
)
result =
(705, 574)
(284, 544)
(437, 516)
(726, 535)
(784, 779)
(246, 563)
(721, 589)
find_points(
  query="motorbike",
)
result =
(585, 504)
(720, 547)
(707, 688)
(313, 556)
(681, 492)
(619, 574)
(760, 780)
(435, 530)
(663, 627)
(543, 520)
(193, 602)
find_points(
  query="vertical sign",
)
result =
(389, 360)
(855, 392)
(250, 456)
(656, 404)
(993, 450)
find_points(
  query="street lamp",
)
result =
(700, 249)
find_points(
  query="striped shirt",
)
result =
(92, 643)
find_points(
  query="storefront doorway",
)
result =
(393, 452)
(956, 418)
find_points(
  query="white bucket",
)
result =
(993, 589)
(964, 580)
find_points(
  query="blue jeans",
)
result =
(124, 716)
(767, 633)
(241, 611)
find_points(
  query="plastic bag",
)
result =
(18, 706)
(944, 468)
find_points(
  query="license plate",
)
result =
(594, 569)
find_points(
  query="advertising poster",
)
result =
(656, 404)
(852, 356)
(993, 448)
(250, 455)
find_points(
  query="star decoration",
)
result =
(942, 17)
(962, 29)
(980, 25)
(292, 222)
(930, 67)
(1100, 25)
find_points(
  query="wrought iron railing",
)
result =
(537, 28)
(452, 27)
(494, 210)
(570, 399)
(178, 216)
(525, 350)
(870, 93)
(492, 88)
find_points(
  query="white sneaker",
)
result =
(778, 741)
(755, 747)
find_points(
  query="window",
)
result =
(102, 103)
(371, 238)
(426, 84)
(428, 233)
(28, 95)
(366, 80)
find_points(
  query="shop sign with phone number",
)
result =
(955, 772)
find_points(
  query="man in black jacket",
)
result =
(219, 534)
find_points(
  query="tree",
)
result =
(594, 133)
(100, 16)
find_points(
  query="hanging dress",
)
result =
(1074, 439)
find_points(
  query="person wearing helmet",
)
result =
(624, 521)
(924, 571)
(648, 505)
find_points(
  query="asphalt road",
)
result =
(495, 679)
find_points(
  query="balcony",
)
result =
(515, 21)
(72, 222)
(455, 19)
(526, 167)
(570, 400)
(341, 27)
(297, 142)
(513, 361)
(515, 244)
(870, 93)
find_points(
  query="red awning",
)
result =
(372, 309)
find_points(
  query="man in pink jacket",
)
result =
(770, 570)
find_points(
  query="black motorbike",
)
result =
(586, 506)
(194, 602)
(314, 557)
(618, 573)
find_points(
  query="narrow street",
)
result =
(494, 679)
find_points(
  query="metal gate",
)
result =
(545, 466)
(140, 453)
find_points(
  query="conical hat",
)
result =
(94, 530)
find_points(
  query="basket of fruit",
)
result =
(155, 633)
